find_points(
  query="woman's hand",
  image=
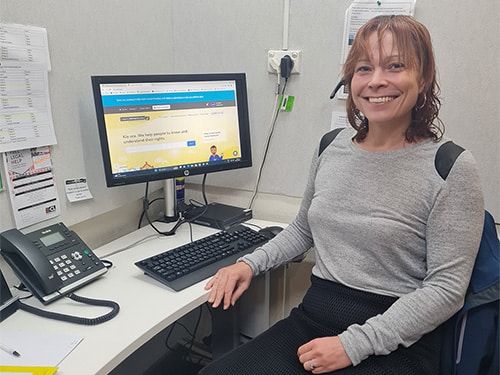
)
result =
(228, 284)
(325, 354)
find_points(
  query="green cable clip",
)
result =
(286, 103)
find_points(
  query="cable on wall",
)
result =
(272, 125)
(284, 71)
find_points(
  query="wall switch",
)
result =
(274, 59)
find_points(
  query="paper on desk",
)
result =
(36, 349)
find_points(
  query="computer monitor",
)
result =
(159, 127)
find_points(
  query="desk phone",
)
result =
(51, 261)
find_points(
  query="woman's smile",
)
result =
(382, 99)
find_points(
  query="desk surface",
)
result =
(146, 306)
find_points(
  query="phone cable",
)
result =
(115, 308)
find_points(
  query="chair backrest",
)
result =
(471, 337)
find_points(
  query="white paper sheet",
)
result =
(25, 111)
(24, 43)
(36, 349)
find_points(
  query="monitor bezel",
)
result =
(243, 125)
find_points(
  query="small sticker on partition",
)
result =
(77, 189)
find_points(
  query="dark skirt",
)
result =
(326, 310)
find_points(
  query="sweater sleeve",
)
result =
(293, 241)
(453, 233)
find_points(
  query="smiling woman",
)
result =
(394, 244)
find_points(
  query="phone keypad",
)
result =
(73, 265)
(64, 267)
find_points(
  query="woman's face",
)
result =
(382, 88)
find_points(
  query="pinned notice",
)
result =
(77, 189)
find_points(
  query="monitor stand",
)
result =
(170, 197)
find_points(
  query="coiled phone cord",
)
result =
(76, 319)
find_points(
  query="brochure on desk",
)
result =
(27, 370)
(37, 350)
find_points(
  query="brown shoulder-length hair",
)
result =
(415, 49)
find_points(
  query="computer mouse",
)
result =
(270, 231)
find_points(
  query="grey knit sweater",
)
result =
(386, 222)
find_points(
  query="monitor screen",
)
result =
(155, 127)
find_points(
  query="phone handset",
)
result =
(32, 267)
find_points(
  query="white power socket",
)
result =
(274, 59)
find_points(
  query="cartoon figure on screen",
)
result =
(147, 166)
(213, 154)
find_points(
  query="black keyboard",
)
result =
(188, 264)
